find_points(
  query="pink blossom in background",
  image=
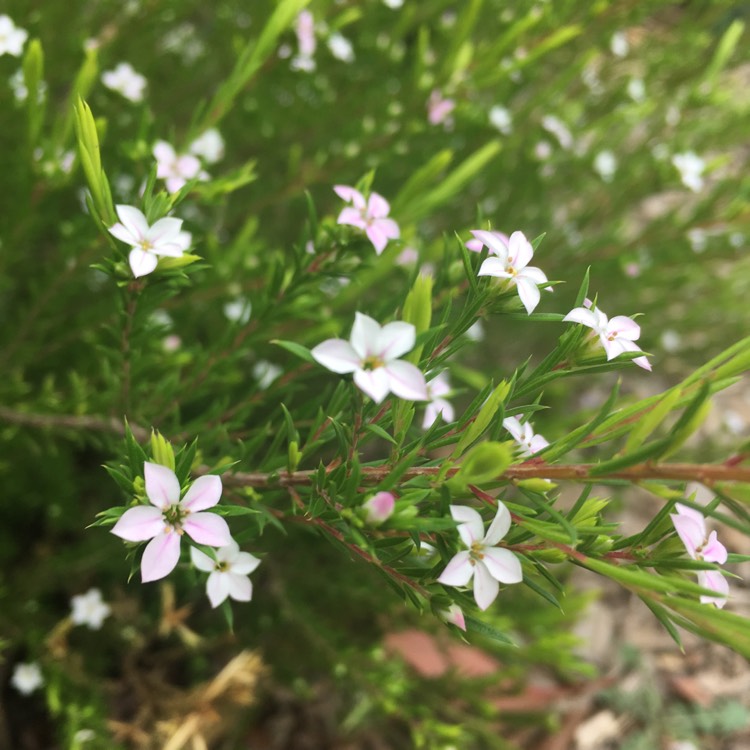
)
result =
(439, 109)
(175, 169)
(369, 215)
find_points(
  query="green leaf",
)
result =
(484, 417)
(488, 631)
(297, 349)
(483, 463)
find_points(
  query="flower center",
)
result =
(476, 552)
(173, 516)
(372, 362)
(146, 245)
(221, 567)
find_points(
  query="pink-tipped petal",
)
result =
(499, 526)
(377, 236)
(208, 529)
(690, 532)
(454, 614)
(141, 262)
(714, 581)
(625, 327)
(337, 356)
(133, 220)
(494, 266)
(528, 292)
(202, 561)
(471, 528)
(503, 565)
(188, 166)
(495, 244)
(486, 587)
(204, 493)
(394, 340)
(240, 587)
(162, 486)
(406, 381)
(217, 588)
(375, 383)
(139, 523)
(458, 571)
(642, 362)
(350, 195)
(377, 206)
(160, 556)
(714, 551)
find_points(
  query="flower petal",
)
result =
(377, 236)
(160, 556)
(337, 356)
(458, 571)
(245, 563)
(493, 242)
(499, 526)
(133, 220)
(494, 266)
(353, 217)
(204, 493)
(513, 425)
(375, 383)
(532, 273)
(165, 156)
(350, 195)
(165, 230)
(624, 327)
(202, 561)
(217, 588)
(141, 262)
(162, 486)
(377, 206)
(123, 234)
(139, 523)
(471, 528)
(583, 316)
(691, 532)
(365, 335)
(240, 587)
(486, 587)
(520, 251)
(394, 340)
(714, 551)
(503, 565)
(207, 528)
(528, 292)
(406, 381)
(714, 581)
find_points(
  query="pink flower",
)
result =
(488, 564)
(228, 573)
(714, 581)
(379, 507)
(175, 169)
(617, 335)
(170, 518)
(369, 215)
(372, 354)
(439, 109)
(438, 407)
(510, 260)
(455, 616)
(524, 435)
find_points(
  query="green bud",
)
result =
(483, 463)
(161, 451)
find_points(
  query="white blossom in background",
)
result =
(673, 116)
(125, 81)
(605, 165)
(238, 310)
(394, 4)
(439, 109)
(637, 90)
(510, 261)
(209, 146)
(164, 238)
(475, 332)
(691, 168)
(228, 573)
(265, 373)
(483, 561)
(84, 735)
(671, 341)
(304, 28)
(175, 169)
(340, 47)
(27, 678)
(12, 38)
(619, 45)
(500, 119)
(89, 609)
(372, 354)
(438, 406)
(559, 129)
(523, 434)
(698, 239)
(543, 150)
(736, 239)
(20, 92)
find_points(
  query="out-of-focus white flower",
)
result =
(438, 406)
(500, 119)
(341, 48)
(394, 4)
(475, 332)
(691, 168)
(89, 609)
(605, 164)
(671, 341)
(209, 146)
(125, 81)
(238, 310)
(304, 27)
(543, 150)
(12, 38)
(20, 92)
(523, 434)
(265, 373)
(618, 44)
(559, 129)
(698, 239)
(175, 169)
(27, 678)
(636, 89)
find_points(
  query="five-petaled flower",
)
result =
(12, 38)
(165, 237)
(372, 354)
(170, 518)
(176, 169)
(510, 260)
(488, 564)
(89, 609)
(228, 573)
(524, 435)
(27, 677)
(700, 545)
(617, 335)
(438, 407)
(369, 215)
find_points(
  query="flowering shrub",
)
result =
(271, 398)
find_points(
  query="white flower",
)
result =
(12, 38)
(617, 335)
(372, 354)
(265, 373)
(394, 4)
(636, 89)
(149, 242)
(524, 435)
(239, 310)
(305, 29)
(698, 239)
(475, 332)
(438, 407)
(27, 678)
(691, 168)
(510, 261)
(175, 169)
(341, 48)
(558, 128)
(209, 146)
(619, 44)
(228, 573)
(89, 609)
(483, 560)
(125, 81)
(500, 118)
(605, 165)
